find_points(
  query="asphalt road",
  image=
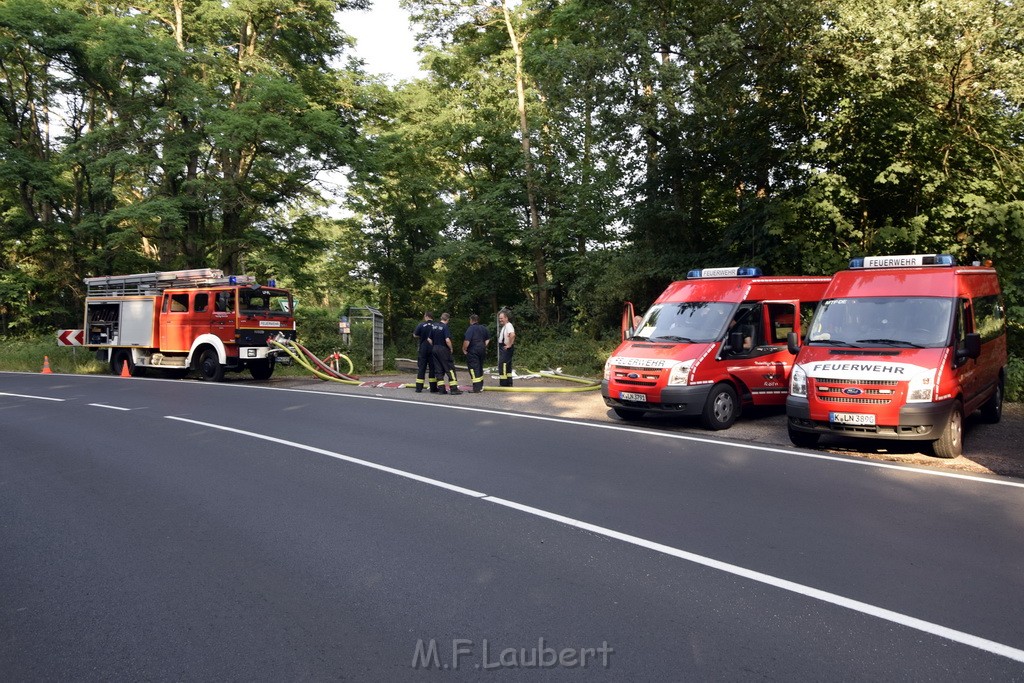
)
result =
(180, 530)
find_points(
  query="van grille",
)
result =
(645, 377)
(854, 399)
(872, 391)
(859, 382)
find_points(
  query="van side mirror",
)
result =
(793, 343)
(735, 342)
(971, 349)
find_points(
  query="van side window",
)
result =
(201, 302)
(781, 319)
(747, 321)
(989, 317)
(964, 324)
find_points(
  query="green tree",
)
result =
(163, 135)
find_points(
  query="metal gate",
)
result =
(365, 315)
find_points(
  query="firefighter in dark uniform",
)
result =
(424, 357)
(444, 366)
(474, 346)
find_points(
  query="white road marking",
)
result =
(854, 461)
(339, 456)
(38, 398)
(783, 584)
(793, 587)
(103, 405)
(682, 437)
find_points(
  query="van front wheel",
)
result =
(992, 409)
(722, 408)
(629, 415)
(803, 439)
(951, 443)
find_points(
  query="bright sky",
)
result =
(383, 39)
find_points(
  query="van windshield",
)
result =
(912, 322)
(688, 322)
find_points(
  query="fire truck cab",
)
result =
(901, 347)
(709, 345)
(187, 320)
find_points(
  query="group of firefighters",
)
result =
(435, 353)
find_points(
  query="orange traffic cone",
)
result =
(46, 366)
(124, 370)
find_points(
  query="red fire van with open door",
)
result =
(709, 345)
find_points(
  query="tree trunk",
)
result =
(539, 260)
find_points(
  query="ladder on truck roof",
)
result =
(152, 283)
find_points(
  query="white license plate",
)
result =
(630, 396)
(862, 419)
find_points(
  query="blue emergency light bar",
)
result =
(744, 271)
(904, 261)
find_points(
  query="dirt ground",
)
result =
(992, 449)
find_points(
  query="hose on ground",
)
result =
(305, 358)
(588, 385)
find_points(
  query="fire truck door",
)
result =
(222, 321)
(175, 323)
(202, 314)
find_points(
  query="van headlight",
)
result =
(921, 388)
(679, 373)
(607, 369)
(798, 382)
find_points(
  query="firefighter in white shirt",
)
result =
(506, 348)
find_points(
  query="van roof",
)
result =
(738, 289)
(915, 281)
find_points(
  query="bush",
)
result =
(539, 348)
(555, 346)
(26, 354)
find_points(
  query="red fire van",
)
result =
(901, 347)
(709, 345)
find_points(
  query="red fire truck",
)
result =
(902, 347)
(185, 320)
(709, 345)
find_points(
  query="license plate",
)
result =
(862, 419)
(630, 396)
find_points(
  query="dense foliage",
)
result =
(560, 157)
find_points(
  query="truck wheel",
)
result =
(119, 358)
(629, 415)
(261, 369)
(803, 439)
(951, 443)
(721, 409)
(210, 369)
(992, 410)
